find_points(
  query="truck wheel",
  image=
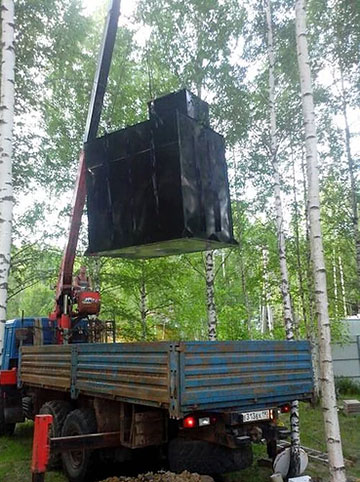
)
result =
(77, 463)
(59, 409)
(206, 458)
(5, 428)
(28, 408)
(271, 447)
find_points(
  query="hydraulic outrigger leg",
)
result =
(43, 444)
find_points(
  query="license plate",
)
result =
(254, 416)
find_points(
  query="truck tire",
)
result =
(206, 458)
(28, 408)
(5, 428)
(59, 409)
(77, 463)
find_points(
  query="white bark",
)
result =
(143, 306)
(6, 133)
(266, 311)
(298, 253)
(309, 276)
(243, 278)
(342, 285)
(335, 284)
(97, 269)
(223, 264)
(285, 292)
(332, 429)
(276, 178)
(210, 277)
(244, 290)
(210, 295)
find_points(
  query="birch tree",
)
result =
(352, 178)
(267, 321)
(210, 295)
(332, 429)
(311, 332)
(7, 93)
(143, 303)
(342, 285)
(285, 292)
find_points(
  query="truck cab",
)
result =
(36, 331)
(32, 331)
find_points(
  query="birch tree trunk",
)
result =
(285, 293)
(298, 252)
(97, 269)
(310, 289)
(209, 276)
(354, 195)
(143, 308)
(342, 285)
(223, 269)
(6, 134)
(266, 311)
(307, 315)
(210, 295)
(331, 421)
(243, 277)
(335, 285)
(244, 290)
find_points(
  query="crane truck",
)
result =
(201, 403)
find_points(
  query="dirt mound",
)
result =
(163, 477)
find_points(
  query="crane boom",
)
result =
(102, 71)
(62, 311)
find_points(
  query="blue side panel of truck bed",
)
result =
(179, 376)
(243, 374)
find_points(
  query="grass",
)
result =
(15, 452)
(346, 386)
(15, 457)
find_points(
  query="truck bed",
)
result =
(179, 376)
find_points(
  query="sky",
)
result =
(127, 6)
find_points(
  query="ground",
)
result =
(15, 451)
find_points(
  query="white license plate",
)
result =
(254, 416)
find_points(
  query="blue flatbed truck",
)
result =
(203, 403)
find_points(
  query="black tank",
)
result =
(159, 187)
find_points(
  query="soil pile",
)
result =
(163, 477)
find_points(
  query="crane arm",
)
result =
(64, 283)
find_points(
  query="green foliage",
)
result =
(122, 283)
(33, 274)
(45, 30)
(346, 386)
(193, 41)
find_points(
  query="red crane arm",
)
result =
(64, 284)
(66, 269)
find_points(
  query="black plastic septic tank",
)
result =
(159, 187)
